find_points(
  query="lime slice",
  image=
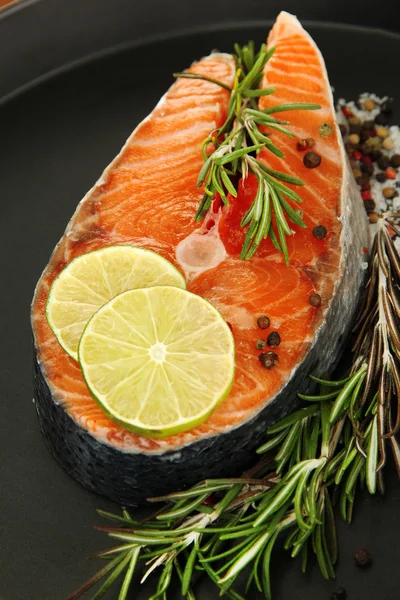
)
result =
(158, 360)
(91, 280)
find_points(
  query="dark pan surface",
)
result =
(55, 140)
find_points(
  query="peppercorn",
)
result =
(367, 167)
(390, 173)
(366, 149)
(355, 129)
(382, 132)
(387, 143)
(357, 155)
(363, 179)
(349, 149)
(311, 160)
(353, 163)
(383, 162)
(381, 119)
(341, 593)
(374, 143)
(375, 154)
(347, 111)
(366, 186)
(381, 177)
(269, 360)
(368, 125)
(395, 161)
(263, 322)
(319, 232)
(363, 558)
(343, 129)
(302, 145)
(369, 205)
(260, 344)
(388, 192)
(274, 339)
(364, 135)
(356, 173)
(315, 299)
(354, 120)
(373, 217)
(369, 104)
(310, 142)
(354, 139)
(387, 106)
(366, 195)
(325, 130)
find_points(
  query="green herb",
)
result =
(233, 151)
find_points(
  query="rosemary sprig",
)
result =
(233, 151)
(331, 447)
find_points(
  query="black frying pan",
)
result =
(62, 118)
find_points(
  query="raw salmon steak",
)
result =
(148, 197)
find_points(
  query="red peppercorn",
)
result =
(366, 159)
(365, 250)
(373, 132)
(357, 155)
(346, 111)
(366, 195)
(210, 500)
(390, 173)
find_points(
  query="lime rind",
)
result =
(143, 377)
(92, 279)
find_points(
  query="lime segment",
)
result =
(91, 280)
(158, 360)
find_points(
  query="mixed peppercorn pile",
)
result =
(372, 146)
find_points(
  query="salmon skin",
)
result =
(148, 197)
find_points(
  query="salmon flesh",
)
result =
(148, 197)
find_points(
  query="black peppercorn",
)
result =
(274, 339)
(381, 119)
(260, 344)
(364, 135)
(269, 360)
(375, 154)
(395, 161)
(355, 129)
(319, 232)
(263, 322)
(381, 177)
(369, 205)
(365, 178)
(383, 162)
(367, 167)
(315, 299)
(341, 593)
(368, 125)
(311, 160)
(363, 558)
